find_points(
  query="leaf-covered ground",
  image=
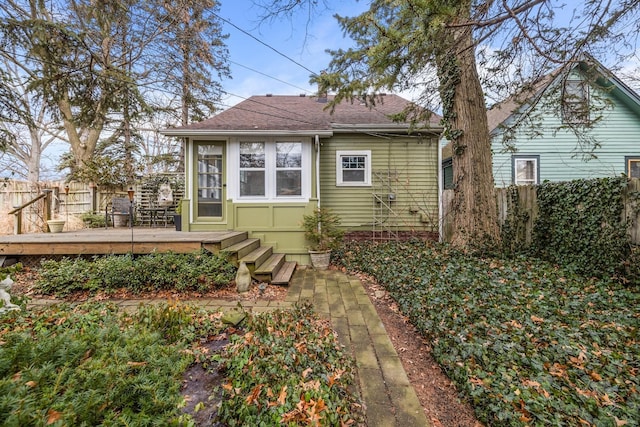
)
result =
(91, 364)
(528, 343)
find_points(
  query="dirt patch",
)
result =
(437, 394)
(198, 387)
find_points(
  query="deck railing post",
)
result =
(17, 222)
(47, 206)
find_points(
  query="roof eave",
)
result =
(186, 133)
(404, 128)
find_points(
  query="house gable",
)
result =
(587, 147)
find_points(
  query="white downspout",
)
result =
(318, 169)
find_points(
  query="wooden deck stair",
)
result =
(264, 264)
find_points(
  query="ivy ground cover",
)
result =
(527, 343)
(94, 365)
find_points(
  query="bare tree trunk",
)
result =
(35, 154)
(474, 205)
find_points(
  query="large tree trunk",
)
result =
(474, 210)
(83, 142)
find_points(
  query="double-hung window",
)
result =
(288, 169)
(526, 170)
(252, 169)
(353, 168)
(272, 169)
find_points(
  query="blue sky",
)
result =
(288, 37)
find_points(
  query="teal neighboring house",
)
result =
(264, 163)
(583, 122)
(580, 122)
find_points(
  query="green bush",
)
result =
(199, 271)
(93, 220)
(528, 343)
(92, 365)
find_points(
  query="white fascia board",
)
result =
(226, 133)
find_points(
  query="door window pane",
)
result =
(209, 180)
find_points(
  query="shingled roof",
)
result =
(300, 114)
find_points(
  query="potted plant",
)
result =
(322, 230)
(56, 225)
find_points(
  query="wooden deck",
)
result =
(100, 241)
(262, 262)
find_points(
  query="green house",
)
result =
(581, 122)
(264, 163)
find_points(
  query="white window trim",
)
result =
(367, 172)
(233, 171)
(536, 169)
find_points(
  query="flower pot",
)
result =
(320, 259)
(177, 220)
(120, 220)
(55, 225)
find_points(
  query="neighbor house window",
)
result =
(353, 168)
(633, 167)
(252, 169)
(526, 170)
(575, 102)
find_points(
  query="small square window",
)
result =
(525, 170)
(353, 168)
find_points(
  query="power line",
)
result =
(265, 44)
(271, 77)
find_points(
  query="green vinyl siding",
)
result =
(562, 156)
(408, 164)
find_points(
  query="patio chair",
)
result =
(118, 212)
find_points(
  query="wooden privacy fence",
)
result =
(526, 210)
(79, 199)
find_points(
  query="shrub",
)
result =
(92, 365)
(199, 271)
(93, 220)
